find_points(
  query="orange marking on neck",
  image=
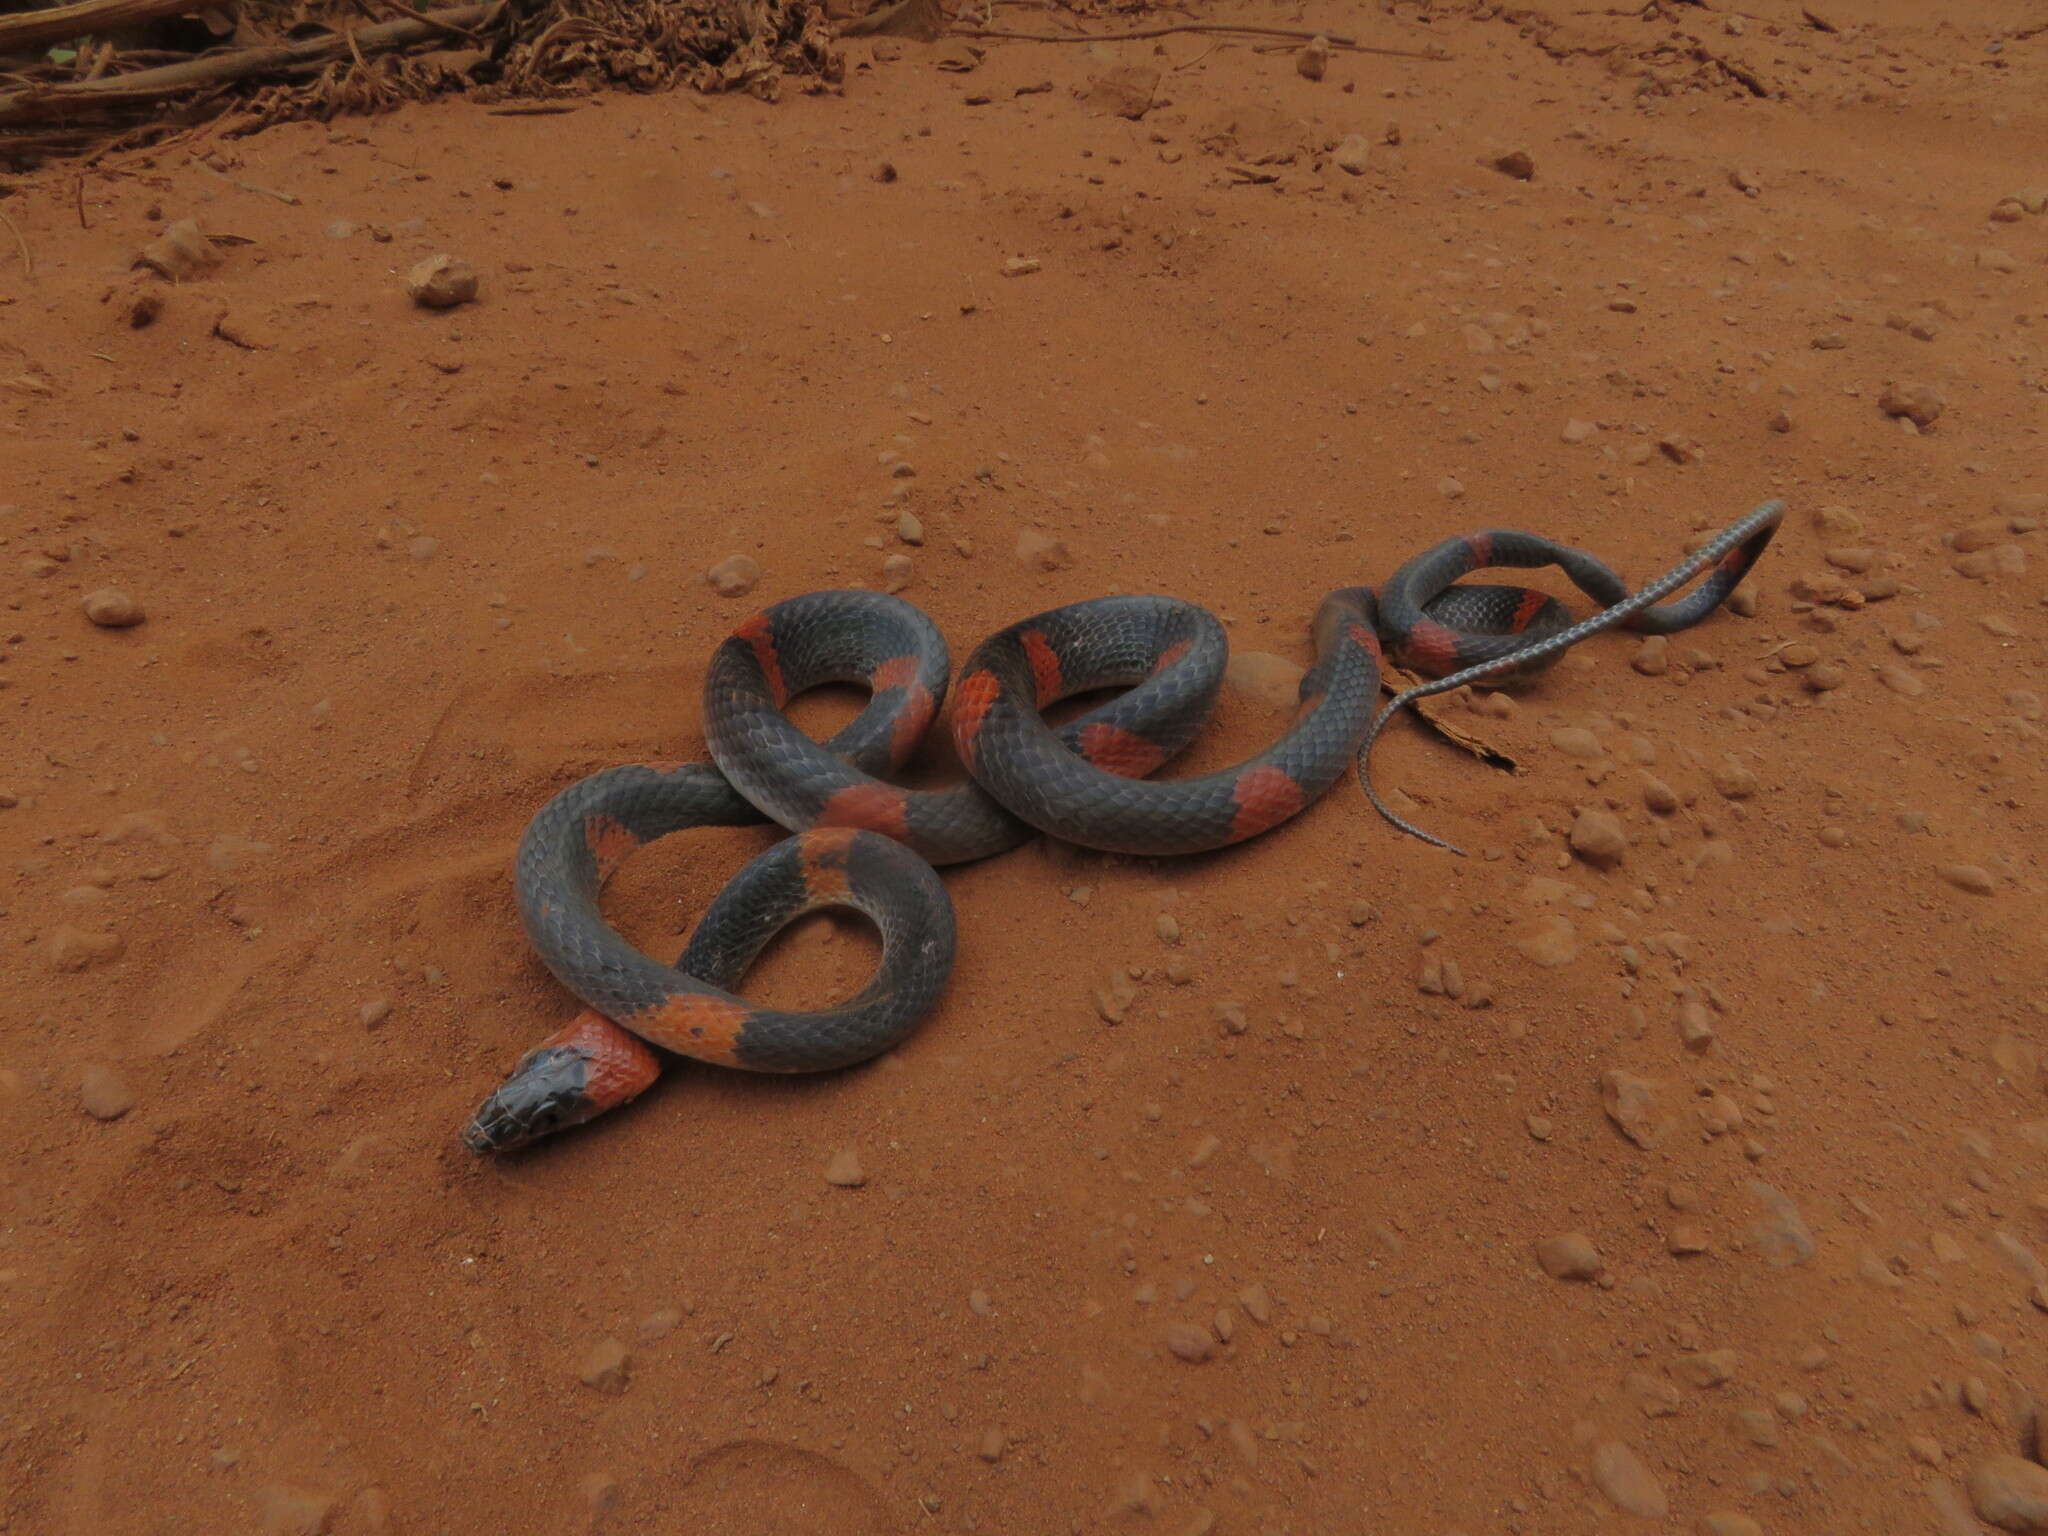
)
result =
(1045, 666)
(609, 842)
(972, 700)
(617, 1065)
(870, 807)
(691, 1024)
(825, 851)
(1171, 654)
(1265, 797)
(1116, 750)
(759, 633)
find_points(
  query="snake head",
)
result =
(578, 1073)
(547, 1092)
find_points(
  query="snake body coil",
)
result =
(864, 843)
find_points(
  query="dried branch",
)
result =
(1291, 34)
(40, 103)
(32, 29)
(28, 262)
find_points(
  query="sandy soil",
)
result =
(405, 574)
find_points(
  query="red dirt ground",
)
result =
(406, 574)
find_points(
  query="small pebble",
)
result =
(1258, 1306)
(111, 608)
(659, 1324)
(77, 949)
(441, 282)
(1568, 1256)
(1724, 1522)
(1576, 742)
(896, 573)
(2011, 1493)
(909, 528)
(1983, 534)
(1733, 780)
(1353, 154)
(285, 1511)
(1620, 1474)
(844, 1170)
(607, 1367)
(1114, 997)
(1920, 404)
(1549, 940)
(104, 1094)
(1695, 1025)
(1757, 1425)
(1631, 1103)
(1968, 877)
(1190, 1342)
(1655, 1397)
(1516, 163)
(600, 1493)
(1598, 838)
(1705, 1368)
(182, 252)
(734, 576)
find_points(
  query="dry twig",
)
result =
(28, 262)
(464, 34)
(36, 103)
(32, 29)
(288, 198)
(1349, 44)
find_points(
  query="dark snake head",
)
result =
(547, 1092)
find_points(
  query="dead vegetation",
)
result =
(109, 74)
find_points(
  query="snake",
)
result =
(864, 843)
